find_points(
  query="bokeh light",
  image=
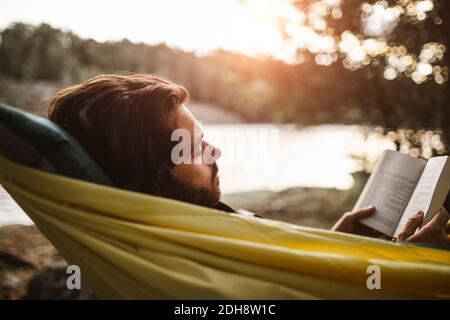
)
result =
(308, 30)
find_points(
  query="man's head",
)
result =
(125, 122)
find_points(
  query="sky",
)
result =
(200, 25)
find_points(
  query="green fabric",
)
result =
(57, 147)
(19, 150)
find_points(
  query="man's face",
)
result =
(197, 181)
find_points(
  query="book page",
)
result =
(389, 189)
(430, 192)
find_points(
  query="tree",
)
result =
(401, 46)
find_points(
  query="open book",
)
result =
(402, 185)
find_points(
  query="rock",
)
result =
(31, 267)
(11, 261)
(9, 283)
(51, 284)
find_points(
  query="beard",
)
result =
(207, 196)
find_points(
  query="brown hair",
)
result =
(124, 122)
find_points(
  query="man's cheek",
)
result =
(200, 176)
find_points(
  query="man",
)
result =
(126, 123)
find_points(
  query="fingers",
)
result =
(363, 213)
(411, 225)
(439, 220)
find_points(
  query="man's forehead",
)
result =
(189, 122)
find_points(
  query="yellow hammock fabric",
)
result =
(130, 245)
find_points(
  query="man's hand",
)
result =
(349, 223)
(433, 232)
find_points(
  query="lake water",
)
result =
(272, 157)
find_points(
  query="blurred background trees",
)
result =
(403, 42)
(378, 63)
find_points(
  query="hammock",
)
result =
(131, 245)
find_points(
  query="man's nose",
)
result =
(214, 154)
(217, 153)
